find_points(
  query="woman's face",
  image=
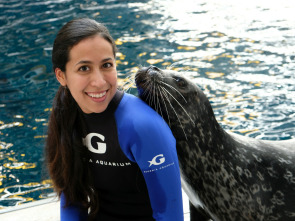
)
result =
(91, 74)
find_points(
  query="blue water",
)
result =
(241, 53)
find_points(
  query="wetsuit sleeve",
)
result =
(147, 140)
(71, 212)
(155, 153)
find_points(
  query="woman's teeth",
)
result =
(95, 95)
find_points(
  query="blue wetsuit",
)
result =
(134, 163)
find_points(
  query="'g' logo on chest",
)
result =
(101, 147)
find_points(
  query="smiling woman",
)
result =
(99, 136)
(90, 74)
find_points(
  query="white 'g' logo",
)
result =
(101, 147)
(154, 160)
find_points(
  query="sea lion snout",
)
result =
(150, 70)
(146, 74)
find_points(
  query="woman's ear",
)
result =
(61, 77)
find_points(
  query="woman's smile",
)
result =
(97, 96)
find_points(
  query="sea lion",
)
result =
(231, 176)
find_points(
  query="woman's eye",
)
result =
(107, 65)
(84, 68)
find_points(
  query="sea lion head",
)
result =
(178, 100)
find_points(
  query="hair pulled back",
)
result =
(71, 34)
(65, 154)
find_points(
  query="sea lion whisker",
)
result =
(161, 94)
(165, 94)
(158, 103)
(128, 83)
(148, 89)
(124, 88)
(131, 77)
(169, 67)
(145, 83)
(148, 94)
(162, 82)
(154, 98)
(150, 98)
(180, 106)
(158, 100)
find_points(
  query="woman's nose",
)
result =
(97, 78)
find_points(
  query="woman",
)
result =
(110, 156)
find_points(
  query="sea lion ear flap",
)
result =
(60, 76)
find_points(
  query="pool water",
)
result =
(241, 53)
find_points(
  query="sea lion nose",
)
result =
(149, 69)
(153, 70)
(146, 73)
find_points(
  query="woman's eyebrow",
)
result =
(83, 62)
(89, 62)
(107, 59)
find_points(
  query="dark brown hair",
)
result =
(64, 152)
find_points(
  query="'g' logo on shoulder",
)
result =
(101, 147)
(157, 160)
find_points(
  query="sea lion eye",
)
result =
(180, 82)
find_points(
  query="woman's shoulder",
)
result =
(134, 117)
(135, 105)
(134, 109)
